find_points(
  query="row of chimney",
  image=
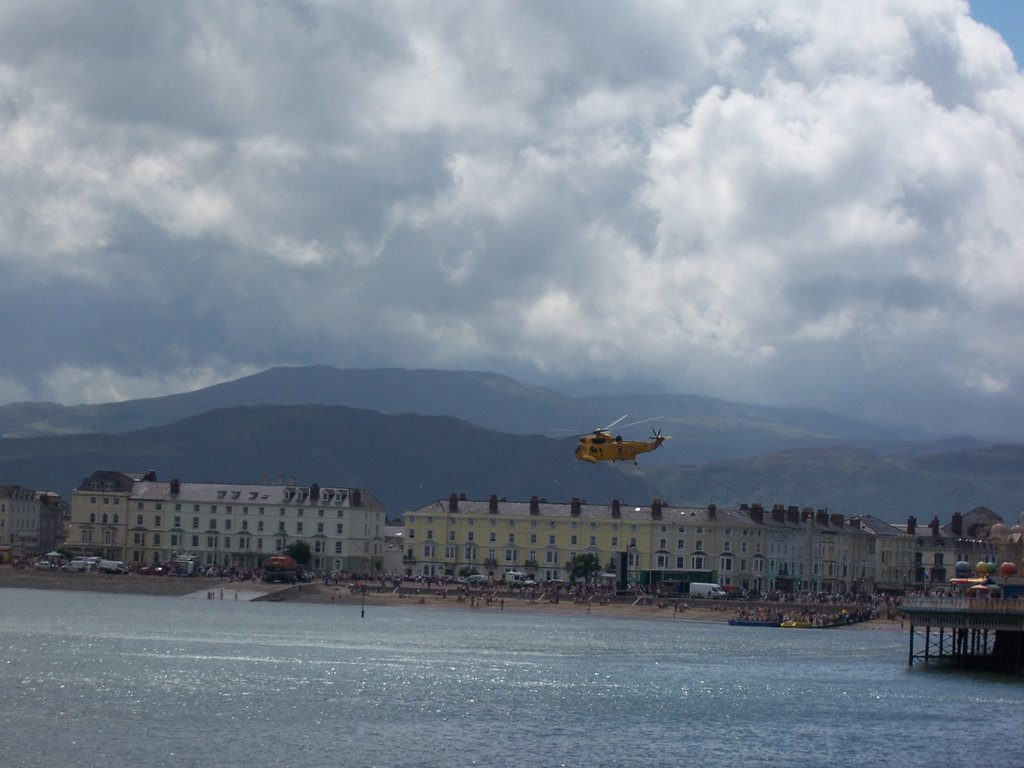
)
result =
(956, 525)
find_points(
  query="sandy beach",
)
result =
(410, 597)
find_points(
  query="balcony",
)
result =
(531, 564)
(490, 561)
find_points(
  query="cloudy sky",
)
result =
(797, 203)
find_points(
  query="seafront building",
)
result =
(31, 522)
(784, 548)
(143, 520)
(647, 544)
(140, 519)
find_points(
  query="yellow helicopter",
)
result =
(599, 445)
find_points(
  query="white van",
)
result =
(112, 566)
(703, 589)
(518, 578)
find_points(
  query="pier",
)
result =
(970, 633)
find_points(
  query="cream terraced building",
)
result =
(785, 548)
(140, 519)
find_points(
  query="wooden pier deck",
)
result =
(972, 633)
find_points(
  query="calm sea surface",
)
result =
(116, 680)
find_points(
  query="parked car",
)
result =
(153, 570)
(79, 565)
(45, 565)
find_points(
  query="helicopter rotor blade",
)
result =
(642, 421)
(610, 426)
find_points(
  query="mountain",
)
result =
(854, 481)
(405, 460)
(408, 460)
(703, 429)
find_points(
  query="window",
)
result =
(259, 526)
(280, 526)
(725, 563)
(298, 526)
(195, 522)
(697, 562)
(680, 544)
(511, 538)
(319, 527)
(510, 555)
(138, 518)
(227, 525)
(340, 528)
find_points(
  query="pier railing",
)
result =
(954, 604)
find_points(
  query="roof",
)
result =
(336, 497)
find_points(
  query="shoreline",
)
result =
(315, 593)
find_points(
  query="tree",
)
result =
(585, 566)
(299, 552)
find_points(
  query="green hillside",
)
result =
(406, 460)
(703, 429)
(855, 481)
(410, 460)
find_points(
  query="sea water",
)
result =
(116, 680)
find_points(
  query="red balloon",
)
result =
(1008, 569)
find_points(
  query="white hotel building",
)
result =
(139, 519)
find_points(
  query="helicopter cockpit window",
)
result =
(599, 441)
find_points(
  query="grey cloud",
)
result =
(741, 200)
